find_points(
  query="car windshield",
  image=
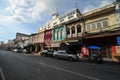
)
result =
(59, 39)
(69, 52)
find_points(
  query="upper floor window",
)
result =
(105, 23)
(99, 25)
(73, 12)
(88, 27)
(54, 23)
(61, 19)
(61, 33)
(78, 28)
(53, 35)
(73, 30)
(93, 26)
(68, 31)
(57, 34)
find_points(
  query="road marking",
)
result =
(68, 71)
(2, 75)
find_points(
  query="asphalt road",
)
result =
(17, 66)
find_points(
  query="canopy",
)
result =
(93, 47)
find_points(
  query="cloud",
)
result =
(22, 16)
(105, 2)
(25, 10)
(100, 3)
(89, 8)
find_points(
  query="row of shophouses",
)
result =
(75, 32)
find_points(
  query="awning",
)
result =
(93, 47)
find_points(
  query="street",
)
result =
(17, 66)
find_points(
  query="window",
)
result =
(105, 23)
(78, 28)
(93, 26)
(73, 12)
(57, 34)
(70, 16)
(88, 27)
(68, 31)
(98, 25)
(73, 30)
(53, 35)
(61, 33)
(54, 23)
(61, 19)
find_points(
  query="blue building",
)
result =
(59, 33)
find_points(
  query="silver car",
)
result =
(65, 55)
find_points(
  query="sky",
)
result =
(27, 16)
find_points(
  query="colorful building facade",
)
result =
(101, 30)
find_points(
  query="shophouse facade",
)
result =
(40, 39)
(31, 43)
(19, 41)
(59, 34)
(48, 35)
(101, 30)
(60, 30)
(74, 32)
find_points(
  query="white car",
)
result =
(46, 53)
(15, 50)
(65, 55)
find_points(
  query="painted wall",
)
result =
(59, 33)
(48, 37)
(40, 37)
(109, 16)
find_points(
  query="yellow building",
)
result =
(101, 30)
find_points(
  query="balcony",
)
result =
(74, 35)
(69, 36)
(79, 34)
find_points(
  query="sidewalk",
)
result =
(105, 62)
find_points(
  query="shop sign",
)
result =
(85, 51)
(55, 45)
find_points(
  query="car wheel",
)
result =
(42, 54)
(70, 59)
(56, 57)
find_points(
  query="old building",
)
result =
(19, 41)
(101, 30)
(62, 31)
(40, 39)
(74, 32)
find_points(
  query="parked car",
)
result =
(65, 55)
(15, 50)
(25, 51)
(46, 53)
